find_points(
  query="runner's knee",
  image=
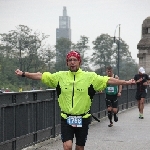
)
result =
(109, 108)
(115, 110)
(67, 145)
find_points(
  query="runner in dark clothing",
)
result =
(142, 81)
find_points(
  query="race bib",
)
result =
(75, 121)
(110, 89)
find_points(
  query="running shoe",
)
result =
(111, 124)
(141, 116)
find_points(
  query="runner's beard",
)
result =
(73, 69)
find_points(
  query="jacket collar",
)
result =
(75, 73)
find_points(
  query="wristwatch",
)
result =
(23, 74)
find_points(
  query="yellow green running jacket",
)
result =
(75, 90)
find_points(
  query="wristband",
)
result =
(23, 74)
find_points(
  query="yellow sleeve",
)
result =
(51, 80)
(100, 82)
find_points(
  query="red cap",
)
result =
(75, 54)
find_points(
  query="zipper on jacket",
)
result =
(73, 92)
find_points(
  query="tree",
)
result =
(104, 54)
(129, 69)
(47, 55)
(82, 47)
(21, 49)
(101, 56)
(63, 46)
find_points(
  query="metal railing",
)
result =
(27, 118)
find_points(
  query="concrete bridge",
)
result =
(129, 133)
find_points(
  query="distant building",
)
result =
(64, 30)
(64, 26)
(144, 46)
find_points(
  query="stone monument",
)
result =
(144, 46)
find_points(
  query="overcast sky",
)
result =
(88, 17)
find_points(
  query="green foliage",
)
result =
(102, 52)
(104, 55)
(22, 48)
(82, 47)
(63, 46)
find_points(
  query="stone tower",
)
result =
(144, 46)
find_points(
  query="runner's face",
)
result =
(73, 64)
(109, 72)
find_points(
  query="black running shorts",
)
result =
(111, 101)
(68, 132)
(140, 95)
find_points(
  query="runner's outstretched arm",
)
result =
(120, 82)
(35, 76)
